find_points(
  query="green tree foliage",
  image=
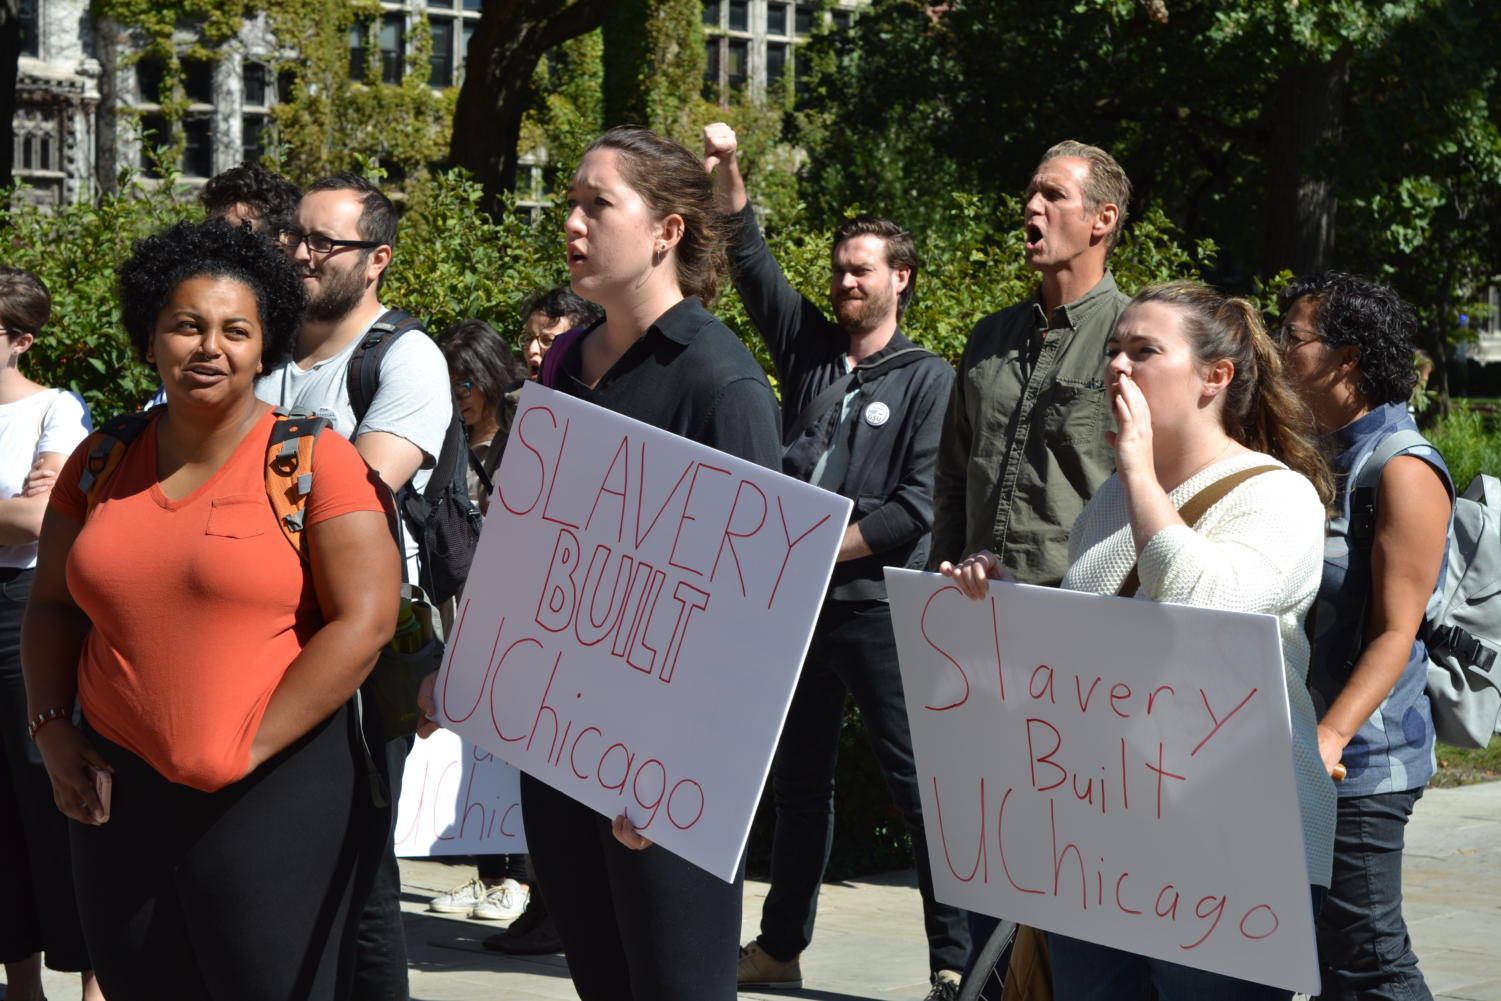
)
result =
(1296, 135)
(509, 39)
(1468, 440)
(329, 122)
(653, 62)
(453, 260)
(567, 109)
(156, 29)
(74, 249)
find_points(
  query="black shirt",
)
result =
(690, 375)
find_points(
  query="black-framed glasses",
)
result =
(316, 244)
(461, 390)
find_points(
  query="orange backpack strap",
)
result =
(289, 470)
(107, 447)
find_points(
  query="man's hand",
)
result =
(719, 145)
(721, 163)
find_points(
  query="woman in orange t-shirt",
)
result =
(213, 777)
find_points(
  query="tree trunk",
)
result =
(10, 59)
(1307, 110)
(509, 39)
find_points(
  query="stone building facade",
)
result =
(84, 104)
(57, 100)
(751, 45)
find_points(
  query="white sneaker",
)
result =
(503, 903)
(461, 899)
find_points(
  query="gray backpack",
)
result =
(1462, 625)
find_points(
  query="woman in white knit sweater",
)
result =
(1199, 396)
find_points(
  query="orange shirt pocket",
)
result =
(239, 516)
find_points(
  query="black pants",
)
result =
(637, 926)
(381, 944)
(237, 895)
(512, 866)
(853, 651)
(39, 914)
(1364, 951)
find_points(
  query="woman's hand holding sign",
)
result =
(973, 574)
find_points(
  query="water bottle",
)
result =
(409, 636)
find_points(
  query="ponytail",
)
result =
(1262, 411)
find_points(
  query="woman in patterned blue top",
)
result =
(1348, 346)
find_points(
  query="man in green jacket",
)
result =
(1023, 445)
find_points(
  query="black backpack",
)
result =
(444, 521)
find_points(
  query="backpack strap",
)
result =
(289, 464)
(834, 392)
(107, 447)
(486, 477)
(1368, 482)
(364, 364)
(552, 362)
(1193, 511)
(289, 471)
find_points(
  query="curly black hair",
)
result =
(561, 302)
(159, 263)
(1355, 311)
(252, 185)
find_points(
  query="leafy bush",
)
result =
(74, 249)
(452, 262)
(1468, 440)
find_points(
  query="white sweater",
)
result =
(1259, 549)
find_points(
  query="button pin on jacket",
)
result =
(877, 414)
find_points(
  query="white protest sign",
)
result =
(635, 620)
(1115, 770)
(458, 799)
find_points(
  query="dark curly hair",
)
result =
(274, 197)
(1373, 318)
(159, 263)
(559, 303)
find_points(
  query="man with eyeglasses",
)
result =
(341, 236)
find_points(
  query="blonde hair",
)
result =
(1262, 411)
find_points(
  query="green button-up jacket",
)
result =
(1023, 445)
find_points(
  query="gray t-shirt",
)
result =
(413, 401)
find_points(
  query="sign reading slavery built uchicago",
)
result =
(1116, 770)
(635, 620)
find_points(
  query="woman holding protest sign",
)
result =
(1207, 425)
(218, 798)
(1347, 344)
(645, 242)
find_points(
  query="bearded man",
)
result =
(343, 234)
(862, 412)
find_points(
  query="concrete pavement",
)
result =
(869, 943)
